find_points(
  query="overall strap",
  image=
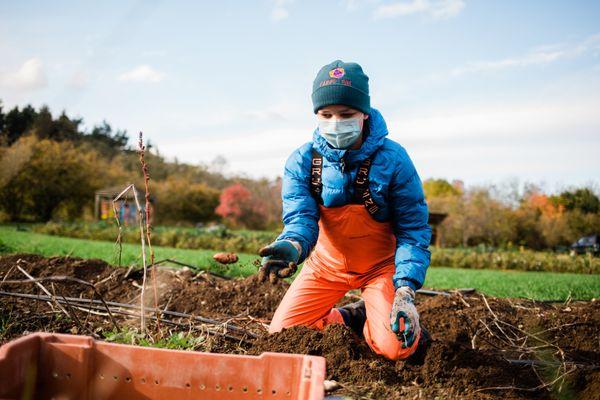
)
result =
(316, 172)
(362, 192)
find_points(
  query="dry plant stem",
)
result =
(73, 313)
(116, 215)
(474, 338)
(144, 265)
(142, 240)
(462, 299)
(7, 274)
(142, 151)
(38, 284)
(166, 308)
(87, 316)
(562, 366)
(128, 271)
(496, 319)
(112, 275)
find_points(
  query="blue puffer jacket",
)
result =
(395, 186)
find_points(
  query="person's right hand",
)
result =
(404, 318)
(280, 260)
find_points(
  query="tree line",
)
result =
(509, 217)
(50, 168)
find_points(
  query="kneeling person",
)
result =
(355, 214)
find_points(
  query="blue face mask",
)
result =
(340, 134)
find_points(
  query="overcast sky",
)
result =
(483, 91)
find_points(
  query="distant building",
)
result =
(126, 207)
(435, 219)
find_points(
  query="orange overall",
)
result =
(353, 251)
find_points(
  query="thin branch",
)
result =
(116, 215)
(7, 274)
(142, 240)
(73, 313)
(146, 173)
(38, 284)
(462, 299)
(144, 265)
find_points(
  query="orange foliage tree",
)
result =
(240, 208)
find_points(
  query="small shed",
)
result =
(126, 206)
(435, 219)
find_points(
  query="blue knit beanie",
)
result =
(341, 83)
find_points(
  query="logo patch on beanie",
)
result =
(337, 72)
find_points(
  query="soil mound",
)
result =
(444, 368)
(213, 296)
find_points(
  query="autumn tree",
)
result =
(44, 176)
(582, 199)
(436, 188)
(179, 200)
(240, 208)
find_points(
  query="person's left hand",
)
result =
(280, 260)
(404, 318)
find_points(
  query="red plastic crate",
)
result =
(56, 366)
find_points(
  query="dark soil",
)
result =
(467, 358)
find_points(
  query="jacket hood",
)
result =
(378, 132)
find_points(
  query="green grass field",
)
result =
(47, 245)
(534, 285)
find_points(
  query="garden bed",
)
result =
(482, 348)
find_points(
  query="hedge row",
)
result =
(221, 239)
(522, 260)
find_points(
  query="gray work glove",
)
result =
(404, 318)
(280, 260)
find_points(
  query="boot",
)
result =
(355, 316)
